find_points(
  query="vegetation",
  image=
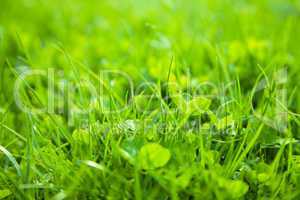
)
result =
(162, 99)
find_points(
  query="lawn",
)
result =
(157, 99)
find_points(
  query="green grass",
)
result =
(153, 99)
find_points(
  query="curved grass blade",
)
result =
(12, 159)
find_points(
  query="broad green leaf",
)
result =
(132, 145)
(153, 155)
(184, 179)
(5, 193)
(263, 177)
(237, 188)
(130, 148)
(141, 101)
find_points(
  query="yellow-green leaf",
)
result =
(153, 155)
(5, 193)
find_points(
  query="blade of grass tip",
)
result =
(156, 90)
(71, 61)
(12, 159)
(223, 66)
(38, 99)
(256, 84)
(21, 46)
(264, 74)
(286, 109)
(167, 89)
(93, 164)
(152, 89)
(16, 74)
(14, 132)
(105, 86)
(168, 77)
